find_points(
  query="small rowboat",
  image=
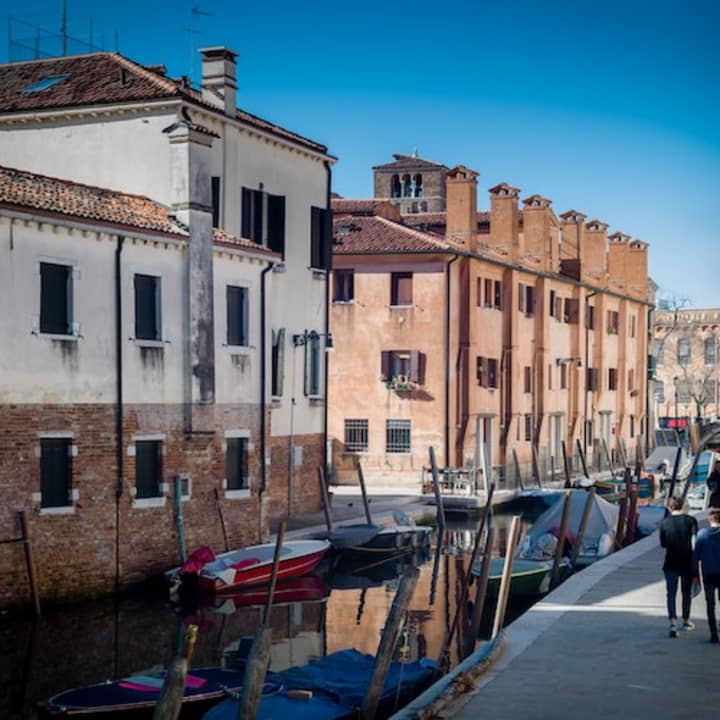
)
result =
(529, 577)
(251, 565)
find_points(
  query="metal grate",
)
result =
(397, 436)
(356, 435)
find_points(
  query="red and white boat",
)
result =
(251, 565)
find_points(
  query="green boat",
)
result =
(529, 577)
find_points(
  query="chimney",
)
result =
(571, 247)
(618, 258)
(637, 270)
(461, 214)
(219, 86)
(190, 145)
(540, 232)
(505, 220)
(594, 268)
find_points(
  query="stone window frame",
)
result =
(74, 325)
(239, 493)
(163, 487)
(74, 496)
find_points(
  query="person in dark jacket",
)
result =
(707, 556)
(677, 531)
(713, 486)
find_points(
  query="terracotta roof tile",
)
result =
(438, 218)
(350, 207)
(408, 162)
(361, 234)
(104, 79)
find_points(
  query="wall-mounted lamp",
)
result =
(565, 361)
(300, 340)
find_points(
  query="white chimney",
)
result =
(219, 85)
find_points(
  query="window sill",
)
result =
(151, 502)
(238, 349)
(237, 494)
(318, 273)
(276, 401)
(58, 336)
(401, 307)
(61, 510)
(344, 302)
(149, 343)
(316, 400)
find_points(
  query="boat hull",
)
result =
(529, 577)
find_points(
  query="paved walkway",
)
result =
(598, 647)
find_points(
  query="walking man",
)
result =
(677, 531)
(707, 554)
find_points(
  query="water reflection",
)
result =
(347, 607)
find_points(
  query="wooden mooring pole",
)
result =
(370, 703)
(222, 519)
(554, 577)
(566, 465)
(518, 475)
(29, 560)
(325, 498)
(589, 502)
(172, 694)
(480, 593)
(366, 505)
(180, 522)
(581, 453)
(506, 579)
(437, 489)
(536, 466)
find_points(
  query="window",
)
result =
(528, 428)
(356, 435)
(401, 288)
(711, 344)
(527, 379)
(632, 426)
(343, 286)
(55, 472)
(563, 376)
(612, 322)
(418, 183)
(148, 468)
(590, 317)
(263, 219)
(591, 382)
(683, 391)
(278, 362)
(237, 315)
(215, 200)
(612, 378)
(632, 326)
(397, 436)
(526, 298)
(44, 84)
(659, 391)
(320, 234)
(56, 295)
(570, 310)
(312, 365)
(487, 372)
(406, 186)
(395, 187)
(555, 305)
(403, 366)
(550, 383)
(147, 308)
(236, 463)
(710, 391)
(631, 380)
(488, 292)
(683, 352)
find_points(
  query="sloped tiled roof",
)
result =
(22, 190)
(342, 206)
(409, 162)
(362, 234)
(108, 79)
(438, 219)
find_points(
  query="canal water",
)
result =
(344, 608)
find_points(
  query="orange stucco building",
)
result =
(481, 333)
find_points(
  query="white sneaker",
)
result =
(673, 630)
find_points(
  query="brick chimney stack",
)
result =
(219, 83)
(572, 244)
(505, 220)
(618, 258)
(637, 270)
(594, 269)
(540, 232)
(461, 214)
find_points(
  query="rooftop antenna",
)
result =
(415, 152)
(195, 12)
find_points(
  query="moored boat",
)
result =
(250, 565)
(528, 577)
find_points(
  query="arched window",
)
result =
(395, 189)
(407, 189)
(418, 185)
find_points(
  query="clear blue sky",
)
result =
(612, 108)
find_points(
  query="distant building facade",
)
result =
(171, 254)
(483, 334)
(687, 365)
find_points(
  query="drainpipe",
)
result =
(328, 268)
(447, 359)
(587, 370)
(263, 383)
(118, 403)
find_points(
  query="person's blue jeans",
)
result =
(711, 583)
(671, 585)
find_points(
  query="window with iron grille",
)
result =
(356, 435)
(236, 463)
(528, 428)
(237, 315)
(148, 468)
(147, 308)
(56, 296)
(343, 285)
(397, 436)
(55, 472)
(401, 288)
